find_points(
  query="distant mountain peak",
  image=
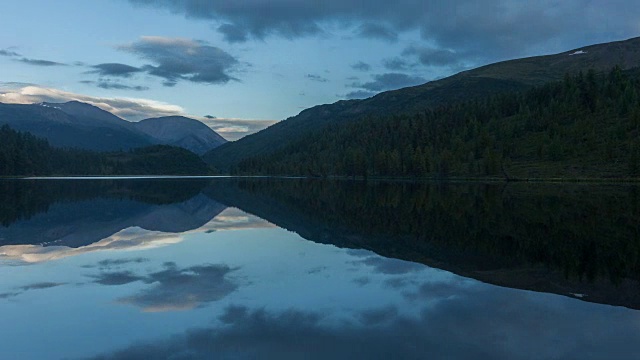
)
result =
(182, 131)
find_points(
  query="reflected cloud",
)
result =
(36, 286)
(177, 289)
(117, 278)
(487, 323)
(378, 316)
(390, 266)
(235, 219)
(129, 239)
(108, 263)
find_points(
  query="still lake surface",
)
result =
(294, 268)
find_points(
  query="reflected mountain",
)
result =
(76, 213)
(581, 241)
(576, 240)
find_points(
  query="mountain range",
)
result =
(507, 76)
(79, 125)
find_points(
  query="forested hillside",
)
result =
(23, 154)
(498, 78)
(584, 126)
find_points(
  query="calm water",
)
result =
(290, 269)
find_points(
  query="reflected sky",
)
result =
(264, 292)
(129, 239)
(193, 279)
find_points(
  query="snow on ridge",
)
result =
(49, 106)
(579, 52)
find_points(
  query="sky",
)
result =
(240, 66)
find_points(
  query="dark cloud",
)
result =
(359, 94)
(377, 31)
(361, 66)
(118, 86)
(389, 81)
(109, 84)
(486, 323)
(317, 78)
(38, 62)
(396, 64)
(378, 316)
(115, 69)
(362, 281)
(36, 286)
(175, 59)
(40, 286)
(476, 31)
(107, 263)
(434, 57)
(233, 33)
(117, 278)
(5, 52)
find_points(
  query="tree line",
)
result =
(23, 154)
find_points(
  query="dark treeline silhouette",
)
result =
(565, 239)
(584, 126)
(22, 154)
(22, 199)
(511, 234)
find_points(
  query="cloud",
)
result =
(477, 32)
(5, 52)
(111, 263)
(361, 66)
(36, 286)
(317, 78)
(233, 33)
(127, 108)
(390, 81)
(377, 31)
(234, 129)
(433, 57)
(390, 266)
(359, 94)
(128, 239)
(132, 109)
(490, 324)
(396, 64)
(174, 288)
(115, 69)
(117, 278)
(176, 59)
(109, 85)
(38, 62)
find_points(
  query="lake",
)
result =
(298, 268)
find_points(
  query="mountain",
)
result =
(507, 76)
(182, 132)
(63, 129)
(534, 236)
(101, 209)
(79, 125)
(24, 154)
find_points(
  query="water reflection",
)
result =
(193, 289)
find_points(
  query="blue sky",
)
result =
(249, 63)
